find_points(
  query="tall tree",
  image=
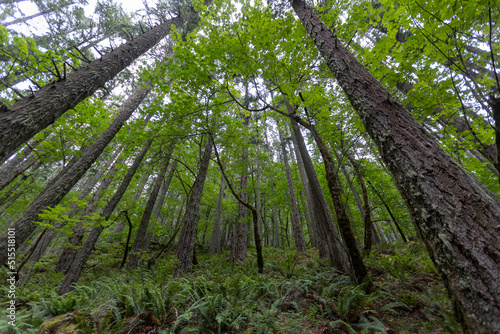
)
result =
(452, 211)
(30, 115)
(187, 238)
(73, 274)
(297, 228)
(62, 184)
(140, 244)
(215, 243)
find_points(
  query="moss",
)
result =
(62, 324)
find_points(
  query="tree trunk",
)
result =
(139, 244)
(326, 228)
(215, 243)
(239, 238)
(276, 229)
(32, 114)
(314, 236)
(456, 216)
(297, 229)
(357, 199)
(185, 246)
(120, 226)
(52, 195)
(68, 254)
(255, 217)
(368, 237)
(87, 247)
(50, 234)
(17, 159)
(160, 200)
(30, 17)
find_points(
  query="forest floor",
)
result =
(298, 293)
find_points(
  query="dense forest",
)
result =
(250, 166)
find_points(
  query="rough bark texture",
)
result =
(55, 192)
(456, 216)
(336, 252)
(32, 114)
(185, 247)
(215, 243)
(139, 243)
(343, 221)
(87, 247)
(297, 229)
(50, 234)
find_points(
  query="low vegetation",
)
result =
(298, 293)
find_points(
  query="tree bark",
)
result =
(81, 258)
(120, 226)
(50, 234)
(30, 115)
(215, 243)
(368, 237)
(307, 191)
(68, 254)
(185, 246)
(239, 238)
(326, 228)
(255, 216)
(456, 216)
(54, 193)
(160, 200)
(139, 243)
(297, 229)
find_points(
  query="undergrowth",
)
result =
(298, 293)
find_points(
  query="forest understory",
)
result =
(298, 293)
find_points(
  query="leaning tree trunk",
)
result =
(139, 244)
(313, 234)
(297, 229)
(187, 238)
(215, 243)
(369, 232)
(32, 114)
(239, 237)
(456, 216)
(54, 193)
(120, 226)
(357, 199)
(81, 258)
(50, 234)
(343, 221)
(160, 200)
(68, 254)
(326, 228)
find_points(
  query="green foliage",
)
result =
(222, 297)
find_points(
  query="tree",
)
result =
(25, 118)
(185, 247)
(53, 194)
(438, 198)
